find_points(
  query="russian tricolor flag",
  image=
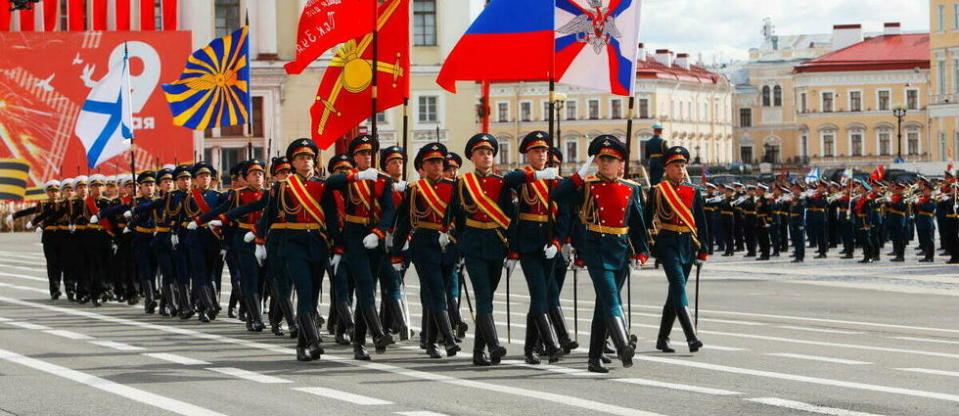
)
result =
(587, 43)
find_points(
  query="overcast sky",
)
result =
(728, 28)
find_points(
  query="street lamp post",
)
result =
(899, 112)
(559, 99)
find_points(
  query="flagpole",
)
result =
(406, 120)
(376, 58)
(552, 109)
(126, 71)
(249, 97)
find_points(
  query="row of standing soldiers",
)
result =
(362, 226)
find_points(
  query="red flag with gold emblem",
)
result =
(344, 97)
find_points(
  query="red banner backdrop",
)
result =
(45, 78)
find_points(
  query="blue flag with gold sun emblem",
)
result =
(214, 88)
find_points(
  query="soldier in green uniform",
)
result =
(655, 148)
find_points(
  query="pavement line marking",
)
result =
(722, 321)
(802, 379)
(826, 331)
(420, 413)
(675, 386)
(929, 371)
(173, 358)
(554, 398)
(344, 396)
(2, 319)
(67, 334)
(833, 344)
(20, 276)
(28, 325)
(145, 397)
(117, 345)
(938, 341)
(817, 358)
(806, 407)
(553, 368)
(249, 375)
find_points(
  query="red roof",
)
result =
(878, 53)
(653, 69)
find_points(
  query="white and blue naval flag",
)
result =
(105, 124)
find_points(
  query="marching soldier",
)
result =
(565, 218)
(203, 245)
(481, 216)
(749, 220)
(424, 220)
(816, 225)
(144, 227)
(925, 225)
(392, 313)
(535, 240)
(453, 259)
(369, 215)
(46, 214)
(71, 261)
(950, 221)
(778, 234)
(675, 213)
(343, 286)
(896, 221)
(764, 221)
(655, 148)
(727, 220)
(615, 240)
(711, 205)
(864, 222)
(797, 221)
(167, 285)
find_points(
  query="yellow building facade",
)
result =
(943, 108)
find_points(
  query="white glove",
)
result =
(550, 251)
(114, 247)
(567, 252)
(700, 262)
(174, 240)
(29, 224)
(72, 228)
(444, 240)
(94, 219)
(371, 241)
(127, 214)
(249, 237)
(223, 253)
(548, 173)
(406, 245)
(510, 265)
(368, 175)
(215, 223)
(389, 241)
(635, 264)
(584, 170)
(191, 225)
(398, 266)
(9, 219)
(38, 230)
(260, 254)
(336, 262)
(126, 230)
(399, 186)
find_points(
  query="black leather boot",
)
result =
(359, 341)
(442, 321)
(253, 312)
(231, 307)
(210, 302)
(479, 350)
(456, 319)
(687, 323)
(531, 342)
(597, 343)
(548, 337)
(301, 353)
(665, 327)
(380, 338)
(149, 291)
(186, 303)
(617, 330)
(345, 316)
(486, 329)
(398, 318)
(559, 324)
(286, 306)
(311, 335)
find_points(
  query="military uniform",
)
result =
(45, 216)
(655, 148)
(796, 211)
(424, 220)
(392, 313)
(896, 223)
(949, 228)
(764, 222)
(727, 222)
(611, 211)
(864, 223)
(925, 225)
(816, 222)
(748, 207)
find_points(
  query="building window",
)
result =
(746, 154)
(381, 117)
(643, 108)
(570, 110)
(545, 110)
(855, 100)
(745, 117)
(766, 100)
(883, 100)
(955, 75)
(526, 111)
(616, 109)
(912, 142)
(502, 112)
(778, 96)
(827, 102)
(503, 154)
(941, 18)
(571, 151)
(942, 145)
(427, 109)
(884, 141)
(593, 109)
(239, 130)
(424, 22)
(955, 16)
(855, 142)
(227, 17)
(804, 145)
(912, 99)
(829, 144)
(942, 77)
(802, 102)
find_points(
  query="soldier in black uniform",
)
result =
(764, 221)
(727, 221)
(655, 148)
(748, 207)
(46, 214)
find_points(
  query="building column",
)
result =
(264, 22)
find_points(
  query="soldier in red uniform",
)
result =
(392, 314)
(614, 240)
